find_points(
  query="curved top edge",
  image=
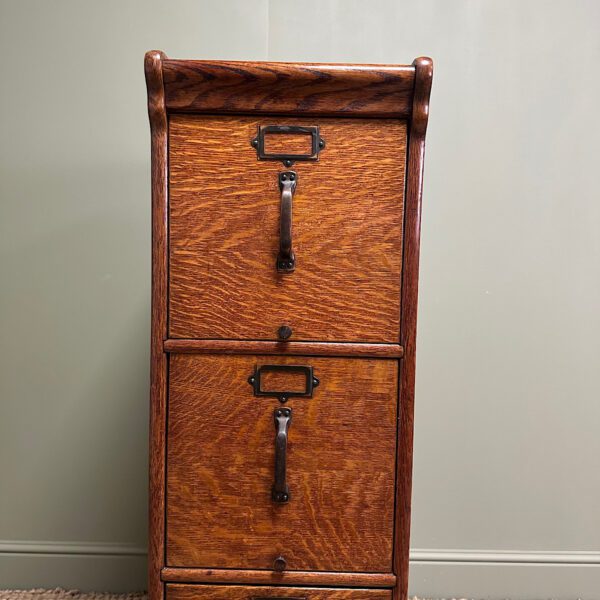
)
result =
(155, 55)
(424, 62)
(155, 86)
(420, 109)
(153, 60)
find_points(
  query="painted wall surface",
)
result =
(507, 444)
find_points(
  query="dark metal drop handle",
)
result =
(281, 491)
(286, 261)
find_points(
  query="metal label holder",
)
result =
(311, 382)
(317, 143)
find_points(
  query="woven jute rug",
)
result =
(59, 594)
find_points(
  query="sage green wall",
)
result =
(507, 451)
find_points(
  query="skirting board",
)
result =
(481, 574)
(498, 575)
(69, 565)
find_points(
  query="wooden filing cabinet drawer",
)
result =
(224, 218)
(340, 464)
(242, 592)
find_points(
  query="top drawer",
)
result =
(225, 208)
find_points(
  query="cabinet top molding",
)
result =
(205, 86)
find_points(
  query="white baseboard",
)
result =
(505, 574)
(73, 565)
(77, 548)
(480, 574)
(505, 556)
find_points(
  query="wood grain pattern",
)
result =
(341, 467)
(224, 233)
(410, 282)
(258, 577)
(261, 347)
(158, 359)
(239, 592)
(282, 88)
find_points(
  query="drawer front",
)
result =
(339, 463)
(243, 592)
(224, 231)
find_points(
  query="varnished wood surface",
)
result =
(158, 362)
(261, 347)
(257, 577)
(224, 232)
(410, 281)
(239, 592)
(341, 466)
(276, 88)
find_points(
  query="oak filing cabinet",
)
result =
(285, 248)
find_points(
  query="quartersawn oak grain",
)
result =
(239, 592)
(276, 88)
(158, 359)
(341, 463)
(264, 577)
(410, 283)
(224, 232)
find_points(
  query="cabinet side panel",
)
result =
(158, 366)
(408, 320)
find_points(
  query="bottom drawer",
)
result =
(178, 591)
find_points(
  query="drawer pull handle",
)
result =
(286, 261)
(281, 491)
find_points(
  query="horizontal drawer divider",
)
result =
(264, 577)
(196, 346)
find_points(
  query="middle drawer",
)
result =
(309, 481)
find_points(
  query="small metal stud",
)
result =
(284, 332)
(279, 564)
